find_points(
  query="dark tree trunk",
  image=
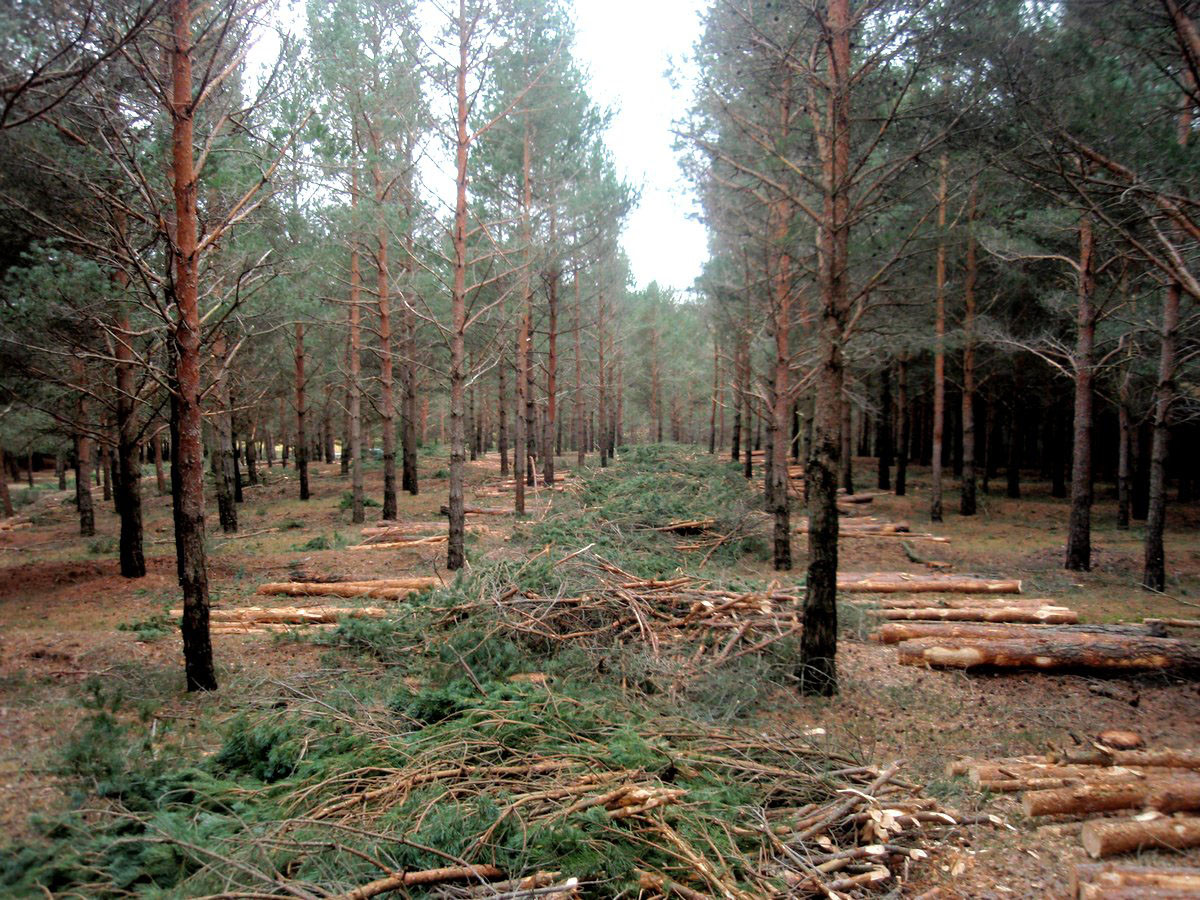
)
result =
(883, 430)
(1013, 469)
(6, 496)
(1124, 439)
(847, 445)
(301, 434)
(1079, 528)
(902, 427)
(60, 471)
(502, 414)
(1154, 576)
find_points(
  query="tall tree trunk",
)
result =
(129, 473)
(6, 496)
(521, 417)
(779, 423)
(1124, 439)
(222, 454)
(354, 387)
(455, 549)
(602, 412)
(967, 501)
(301, 412)
(847, 446)
(1154, 575)
(939, 350)
(551, 359)
(386, 380)
(83, 463)
(580, 443)
(903, 427)
(60, 470)
(716, 398)
(735, 450)
(502, 413)
(187, 463)
(104, 469)
(1079, 528)
(817, 672)
(252, 456)
(883, 430)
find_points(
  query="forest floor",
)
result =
(74, 635)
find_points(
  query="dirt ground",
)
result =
(66, 617)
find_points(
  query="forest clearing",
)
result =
(591, 448)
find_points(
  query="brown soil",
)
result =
(61, 602)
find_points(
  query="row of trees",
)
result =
(988, 201)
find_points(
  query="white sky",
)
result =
(628, 46)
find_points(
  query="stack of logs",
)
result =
(1159, 783)
(1110, 881)
(1009, 632)
(260, 619)
(397, 535)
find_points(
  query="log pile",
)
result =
(895, 632)
(398, 541)
(382, 588)
(1109, 881)
(1161, 784)
(1037, 615)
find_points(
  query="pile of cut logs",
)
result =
(262, 619)
(1111, 881)
(398, 535)
(1010, 632)
(1161, 784)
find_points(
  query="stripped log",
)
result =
(1160, 756)
(964, 765)
(1108, 837)
(1046, 615)
(894, 601)
(291, 615)
(903, 582)
(1098, 881)
(401, 542)
(401, 527)
(479, 511)
(1113, 653)
(267, 627)
(385, 588)
(1182, 793)
(984, 772)
(895, 632)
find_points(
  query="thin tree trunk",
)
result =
(60, 471)
(551, 359)
(716, 390)
(354, 387)
(967, 501)
(817, 673)
(129, 474)
(6, 496)
(883, 430)
(902, 426)
(1124, 440)
(1154, 575)
(580, 443)
(301, 434)
(187, 463)
(386, 379)
(455, 549)
(251, 456)
(602, 412)
(222, 453)
(939, 352)
(1079, 528)
(735, 451)
(502, 413)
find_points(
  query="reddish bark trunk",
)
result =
(939, 352)
(354, 388)
(967, 502)
(188, 456)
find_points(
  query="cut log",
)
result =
(895, 601)
(1174, 623)
(1158, 756)
(401, 542)
(1096, 881)
(387, 589)
(895, 632)
(963, 766)
(1119, 739)
(1107, 837)
(479, 511)
(291, 615)
(1120, 654)
(266, 627)
(1046, 615)
(903, 582)
(401, 527)
(1183, 793)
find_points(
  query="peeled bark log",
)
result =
(1177, 793)
(1047, 615)
(902, 582)
(382, 588)
(895, 632)
(984, 772)
(924, 602)
(1096, 881)
(403, 542)
(1160, 756)
(291, 615)
(1108, 837)
(1050, 653)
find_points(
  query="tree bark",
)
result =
(967, 500)
(187, 463)
(502, 413)
(1154, 575)
(222, 454)
(883, 430)
(902, 426)
(817, 672)
(1124, 439)
(939, 349)
(386, 379)
(6, 496)
(578, 405)
(551, 367)
(354, 387)
(301, 412)
(1079, 528)
(455, 550)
